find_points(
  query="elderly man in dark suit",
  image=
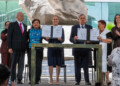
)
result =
(17, 43)
(80, 55)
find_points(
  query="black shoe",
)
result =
(19, 82)
(36, 82)
(87, 83)
(97, 84)
(108, 83)
(77, 83)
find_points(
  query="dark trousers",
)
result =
(17, 57)
(6, 60)
(81, 61)
(39, 58)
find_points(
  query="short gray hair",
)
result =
(19, 13)
(81, 15)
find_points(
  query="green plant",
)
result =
(109, 26)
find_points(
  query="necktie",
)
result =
(82, 26)
(21, 28)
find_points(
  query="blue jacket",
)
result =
(35, 36)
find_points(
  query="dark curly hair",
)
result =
(36, 20)
(115, 19)
(103, 22)
(6, 22)
(4, 73)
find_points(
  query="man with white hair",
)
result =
(81, 55)
(17, 44)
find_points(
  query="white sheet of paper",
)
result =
(94, 33)
(57, 31)
(46, 31)
(82, 34)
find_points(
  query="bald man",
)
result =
(17, 43)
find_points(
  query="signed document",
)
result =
(82, 34)
(46, 31)
(94, 33)
(57, 31)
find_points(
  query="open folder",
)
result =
(88, 34)
(51, 31)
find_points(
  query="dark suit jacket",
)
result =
(16, 40)
(78, 51)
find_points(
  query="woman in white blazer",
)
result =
(103, 41)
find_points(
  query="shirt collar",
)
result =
(82, 25)
(19, 22)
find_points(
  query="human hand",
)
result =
(75, 37)
(10, 50)
(59, 39)
(99, 37)
(47, 38)
(5, 34)
(117, 32)
(88, 42)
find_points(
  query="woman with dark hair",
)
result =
(35, 36)
(55, 55)
(6, 60)
(116, 31)
(103, 41)
(114, 58)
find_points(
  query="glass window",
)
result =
(2, 14)
(8, 10)
(93, 14)
(102, 10)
